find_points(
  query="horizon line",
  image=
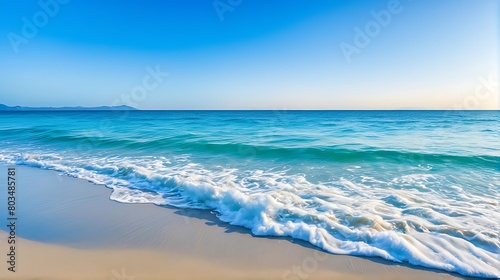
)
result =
(135, 109)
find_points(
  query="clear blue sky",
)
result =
(256, 55)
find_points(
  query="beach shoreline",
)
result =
(69, 228)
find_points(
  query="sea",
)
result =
(417, 187)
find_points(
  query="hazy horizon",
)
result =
(282, 109)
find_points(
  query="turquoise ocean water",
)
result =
(421, 187)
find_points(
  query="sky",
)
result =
(251, 54)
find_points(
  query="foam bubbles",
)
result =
(412, 218)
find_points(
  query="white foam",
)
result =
(404, 221)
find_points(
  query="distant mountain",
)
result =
(4, 107)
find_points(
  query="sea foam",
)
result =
(402, 219)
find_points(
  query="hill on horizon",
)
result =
(4, 107)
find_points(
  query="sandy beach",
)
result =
(69, 229)
(232, 140)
